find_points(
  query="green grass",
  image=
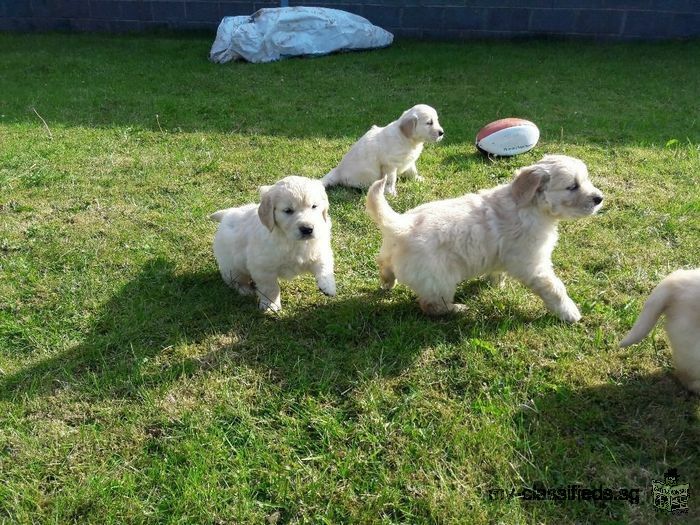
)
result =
(136, 388)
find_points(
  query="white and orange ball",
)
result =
(507, 137)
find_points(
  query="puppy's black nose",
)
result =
(597, 199)
(306, 230)
(441, 133)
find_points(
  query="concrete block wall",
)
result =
(432, 19)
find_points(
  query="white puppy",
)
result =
(677, 296)
(288, 233)
(512, 228)
(388, 151)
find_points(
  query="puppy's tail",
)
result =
(331, 178)
(218, 215)
(380, 211)
(653, 308)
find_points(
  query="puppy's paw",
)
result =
(327, 286)
(437, 308)
(459, 308)
(412, 174)
(390, 190)
(497, 280)
(245, 289)
(269, 307)
(418, 177)
(569, 312)
(387, 285)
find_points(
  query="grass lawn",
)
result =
(136, 388)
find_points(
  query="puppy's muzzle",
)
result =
(440, 134)
(306, 231)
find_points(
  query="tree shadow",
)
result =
(323, 347)
(343, 95)
(621, 435)
(147, 317)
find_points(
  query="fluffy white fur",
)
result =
(287, 234)
(511, 228)
(388, 151)
(678, 297)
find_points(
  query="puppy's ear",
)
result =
(323, 197)
(408, 125)
(528, 181)
(266, 209)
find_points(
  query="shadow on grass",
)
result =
(320, 348)
(466, 162)
(606, 436)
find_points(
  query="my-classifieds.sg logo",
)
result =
(671, 494)
(573, 492)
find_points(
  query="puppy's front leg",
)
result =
(390, 188)
(325, 279)
(268, 290)
(553, 292)
(412, 172)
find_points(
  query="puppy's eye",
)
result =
(573, 187)
(430, 122)
(288, 211)
(314, 206)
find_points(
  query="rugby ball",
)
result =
(507, 137)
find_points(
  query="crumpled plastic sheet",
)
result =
(274, 33)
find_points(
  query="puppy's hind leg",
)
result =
(268, 290)
(436, 295)
(387, 278)
(239, 281)
(497, 279)
(412, 172)
(331, 178)
(247, 288)
(689, 381)
(434, 285)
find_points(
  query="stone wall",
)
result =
(432, 19)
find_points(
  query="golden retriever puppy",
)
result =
(287, 234)
(511, 228)
(678, 297)
(388, 151)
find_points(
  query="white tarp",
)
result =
(274, 33)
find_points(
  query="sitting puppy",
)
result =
(388, 151)
(511, 228)
(288, 233)
(677, 296)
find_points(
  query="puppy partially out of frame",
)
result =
(511, 228)
(388, 151)
(678, 297)
(287, 234)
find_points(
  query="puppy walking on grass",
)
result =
(677, 297)
(389, 151)
(511, 228)
(287, 234)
